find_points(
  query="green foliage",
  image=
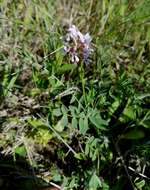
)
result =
(134, 134)
(21, 151)
(81, 126)
(94, 182)
(97, 120)
(139, 184)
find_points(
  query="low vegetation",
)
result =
(74, 112)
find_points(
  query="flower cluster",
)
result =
(77, 45)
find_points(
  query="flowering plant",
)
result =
(77, 45)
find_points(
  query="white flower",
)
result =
(74, 58)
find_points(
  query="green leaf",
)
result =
(83, 125)
(72, 183)
(64, 109)
(95, 182)
(73, 99)
(87, 149)
(42, 135)
(82, 115)
(139, 184)
(74, 123)
(130, 113)
(134, 134)
(21, 151)
(57, 112)
(73, 110)
(95, 153)
(57, 178)
(11, 84)
(80, 156)
(141, 97)
(66, 68)
(36, 122)
(114, 105)
(98, 121)
(105, 186)
(59, 126)
(146, 123)
(63, 122)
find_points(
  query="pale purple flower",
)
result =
(77, 44)
(66, 49)
(73, 32)
(86, 50)
(87, 39)
(86, 54)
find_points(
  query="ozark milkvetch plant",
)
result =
(77, 45)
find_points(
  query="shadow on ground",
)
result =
(19, 175)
